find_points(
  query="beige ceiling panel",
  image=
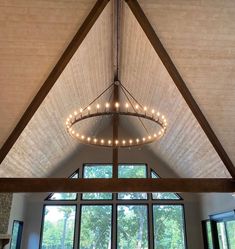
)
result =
(44, 143)
(200, 38)
(185, 147)
(33, 35)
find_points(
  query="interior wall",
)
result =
(33, 218)
(214, 203)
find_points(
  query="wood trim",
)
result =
(179, 82)
(116, 185)
(53, 76)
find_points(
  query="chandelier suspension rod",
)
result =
(142, 123)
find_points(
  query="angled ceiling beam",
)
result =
(179, 82)
(53, 76)
(23, 185)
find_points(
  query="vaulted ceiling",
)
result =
(197, 35)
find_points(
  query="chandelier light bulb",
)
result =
(109, 142)
(73, 132)
(137, 140)
(155, 135)
(158, 114)
(153, 111)
(107, 105)
(127, 105)
(98, 106)
(81, 110)
(136, 107)
(116, 104)
(149, 137)
(70, 116)
(159, 133)
(116, 141)
(88, 139)
(163, 117)
(124, 142)
(88, 108)
(82, 136)
(95, 140)
(77, 135)
(145, 108)
(130, 141)
(75, 113)
(143, 139)
(102, 141)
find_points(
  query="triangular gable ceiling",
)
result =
(185, 147)
(199, 36)
(33, 36)
(44, 143)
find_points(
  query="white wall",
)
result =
(33, 216)
(214, 203)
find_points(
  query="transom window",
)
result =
(110, 221)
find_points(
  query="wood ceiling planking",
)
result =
(199, 37)
(33, 35)
(44, 143)
(185, 147)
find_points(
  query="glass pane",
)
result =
(132, 227)
(97, 171)
(95, 229)
(163, 196)
(97, 196)
(132, 171)
(16, 235)
(222, 235)
(230, 225)
(209, 235)
(58, 227)
(64, 196)
(132, 196)
(168, 227)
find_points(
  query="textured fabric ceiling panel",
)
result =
(200, 38)
(185, 148)
(44, 143)
(33, 35)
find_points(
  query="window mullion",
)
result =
(150, 226)
(114, 220)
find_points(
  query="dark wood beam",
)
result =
(115, 124)
(116, 185)
(53, 76)
(179, 82)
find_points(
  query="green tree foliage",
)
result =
(168, 227)
(132, 227)
(96, 227)
(58, 232)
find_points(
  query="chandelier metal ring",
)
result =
(77, 117)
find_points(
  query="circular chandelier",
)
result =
(131, 108)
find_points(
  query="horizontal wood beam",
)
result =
(30, 185)
(53, 76)
(179, 82)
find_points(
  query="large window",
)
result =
(219, 231)
(113, 221)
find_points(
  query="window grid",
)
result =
(114, 203)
